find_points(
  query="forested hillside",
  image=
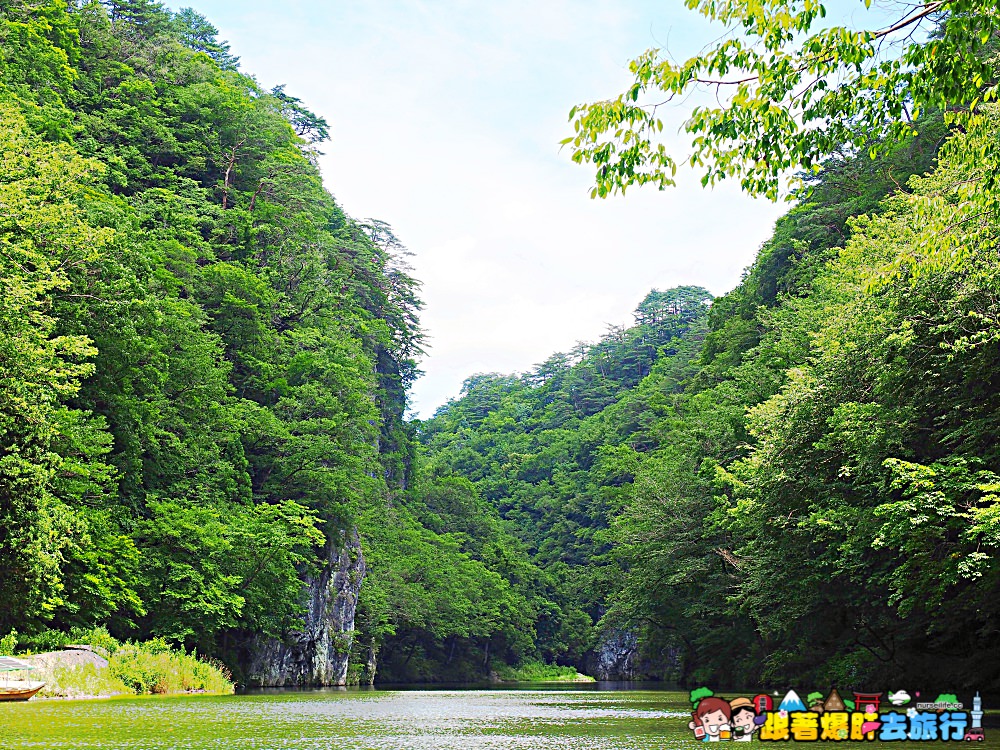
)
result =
(810, 492)
(202, 359)
(803, 485)
(822, 503)
(796, 489)
(524, 472)
(204, 373)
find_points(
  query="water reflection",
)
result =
(581, 718)
(586, 719)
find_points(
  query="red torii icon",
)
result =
(866, 699)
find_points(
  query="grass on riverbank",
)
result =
(536, 671)
(151, 668)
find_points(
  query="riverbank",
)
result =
(132, 670)
(110, 668)
(538, 672)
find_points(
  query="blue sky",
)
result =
(445, 118)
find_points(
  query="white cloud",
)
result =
(446, 117)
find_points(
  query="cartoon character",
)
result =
(711, 719)
(745, 720)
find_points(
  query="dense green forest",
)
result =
(202, 358)
(204, 367)
(796, 483)
(523, 472)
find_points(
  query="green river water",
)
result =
(528, 719)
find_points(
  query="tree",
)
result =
(142, 18)
(198, 34)
(307, 124)
(875, 467)
(207, 569)
(789, 94)
(43, 237)
(38, 45)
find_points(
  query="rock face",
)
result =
(70, 656)
(318, 654)
(616, 657)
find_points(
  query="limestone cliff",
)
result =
(317, 654)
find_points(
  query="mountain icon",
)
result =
(791, 702)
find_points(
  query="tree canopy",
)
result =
(788, 92)
(204, 359)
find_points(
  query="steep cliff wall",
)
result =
(318, 654)
(619, 656)
(615, 657)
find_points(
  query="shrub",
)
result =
(138, 668)
(8, 643)
(157, 669)
(537, 672)
(80, 682)
(46, 640)
(99, 638)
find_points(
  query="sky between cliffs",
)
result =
(445, 118)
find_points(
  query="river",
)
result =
(577, 718)
(532, 719)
